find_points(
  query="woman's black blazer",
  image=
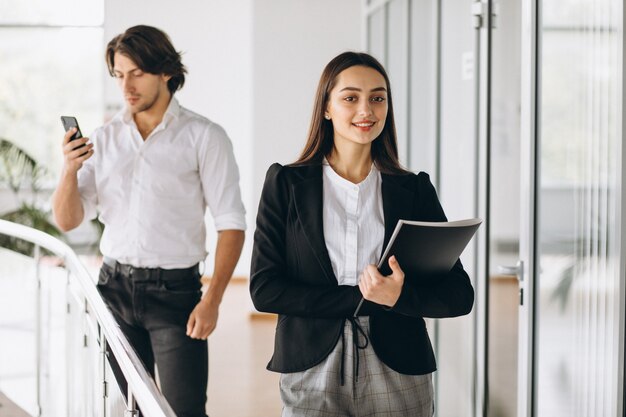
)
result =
(292, 275)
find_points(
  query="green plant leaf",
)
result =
(30, 216)
(18, 168)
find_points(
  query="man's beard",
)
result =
(145, 106)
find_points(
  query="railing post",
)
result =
(37, 258)
(69, 324)
(103, 369)
(88, 400)
(131, 406)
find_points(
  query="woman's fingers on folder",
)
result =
(395, 267)
(380, 289)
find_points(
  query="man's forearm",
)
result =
(227, 252)
(66, 204)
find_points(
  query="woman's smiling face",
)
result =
(357, 106)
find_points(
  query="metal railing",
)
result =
(142, 390)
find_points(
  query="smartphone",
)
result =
(70, 122)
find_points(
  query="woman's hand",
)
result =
(380, 289)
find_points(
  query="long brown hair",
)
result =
(321, 138)
(152, 51)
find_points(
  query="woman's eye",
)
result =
(378, 99)
(350, 98)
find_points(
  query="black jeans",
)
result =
(152, 307)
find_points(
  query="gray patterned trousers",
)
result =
(376, 390)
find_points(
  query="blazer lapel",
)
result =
(397, 204)
(308, 198)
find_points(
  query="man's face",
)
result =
(141, 89)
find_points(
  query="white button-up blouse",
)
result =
(354, 226)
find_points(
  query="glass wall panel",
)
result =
(456, 181)
(52, 63)
(504, 296)
(398, 70)
(578, 277)
(46, 73)
(66, 348)
(423, 87)
(17, 323)
(428, 48)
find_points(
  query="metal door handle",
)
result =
(517, 270)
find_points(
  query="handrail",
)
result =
(142, 385)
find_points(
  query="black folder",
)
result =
(426, 248)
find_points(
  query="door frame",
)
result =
(620, 225)
(529, 167)
(482, 11)
(530, 174)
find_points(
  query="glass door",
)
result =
(553, 137)
(515, 109)
(570, 349)
(577, 285)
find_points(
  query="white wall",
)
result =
(215, 37)
(293, 41)
(253, 68)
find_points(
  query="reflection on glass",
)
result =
(578, 280)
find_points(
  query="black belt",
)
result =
(150, 274)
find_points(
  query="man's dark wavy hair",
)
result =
(152, 50)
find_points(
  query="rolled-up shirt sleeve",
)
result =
(219, 175)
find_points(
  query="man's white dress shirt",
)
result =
(152, 195)
(354, 223)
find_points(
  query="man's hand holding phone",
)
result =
(76, 148)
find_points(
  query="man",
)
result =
(149, 174)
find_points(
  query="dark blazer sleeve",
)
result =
(444, 295)
(277, 281)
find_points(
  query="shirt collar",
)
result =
(339, 180)
(172, 112)
(173, 109)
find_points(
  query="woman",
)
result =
(322, 223)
